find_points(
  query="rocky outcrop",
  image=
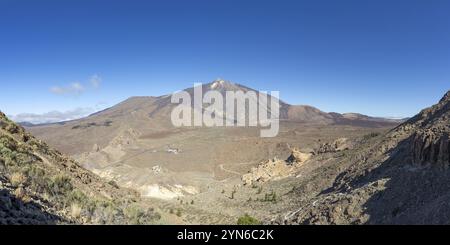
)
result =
(298, 156)
(270, 170)
(431, 147)
(428, 135)
(276, 169)
(401, 177)
(340, 144)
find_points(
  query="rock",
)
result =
(428, 147)
(340, 144)
(156, 169)
(173, 151)
(275, 169)
(382, 185)
(299, 157)
(96, 148)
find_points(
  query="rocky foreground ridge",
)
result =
(39, 185)
(401, 177)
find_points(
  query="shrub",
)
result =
(2, 164)
(59, 185)
(12, 128)
(371, 135)
(134, 214)
(248, 220)
(18, 179)
(113, 184)
(19, 192)
(37, 179)
(259, 190)
(232, 194)
(270, 197)
(78, 197)
(75, 210)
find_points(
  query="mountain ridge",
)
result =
(400, 177)
(300, 113)
(39, 185)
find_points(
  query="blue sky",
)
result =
(381, 58)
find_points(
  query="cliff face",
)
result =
(431, 147)
(429, 141)
(401, 177)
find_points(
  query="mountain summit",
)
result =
(159, 108)
(152, 114)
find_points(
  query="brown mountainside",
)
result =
(401, 177)
(39, 185)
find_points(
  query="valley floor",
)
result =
(195, 176)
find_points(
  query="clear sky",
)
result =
(378, 57)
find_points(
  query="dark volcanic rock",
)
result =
(430, 147)
(402, 177)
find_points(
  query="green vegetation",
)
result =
(248, 220)
(269, 197)
(18, 179)
(260, 189)
(114, 184)
(93, 124)
(32, 178)
(135, 215)
(59, 185)
(179, 212)
(232, 194)
(13, 154)
(370, 135)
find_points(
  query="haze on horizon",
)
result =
(69, 59)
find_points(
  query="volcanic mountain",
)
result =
(150, 115)
(135, 143)
(322, 168)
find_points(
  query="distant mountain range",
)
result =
(161, 107)
(383, 172)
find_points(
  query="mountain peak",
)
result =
(220, 83)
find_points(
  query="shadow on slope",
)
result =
(14, 211)
(411, 192)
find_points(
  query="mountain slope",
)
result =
(39, 185)
(401, 177)
(150, 115)
(131, 140)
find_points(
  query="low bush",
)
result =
(17, 179)
(59, 185)
(248, 220)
